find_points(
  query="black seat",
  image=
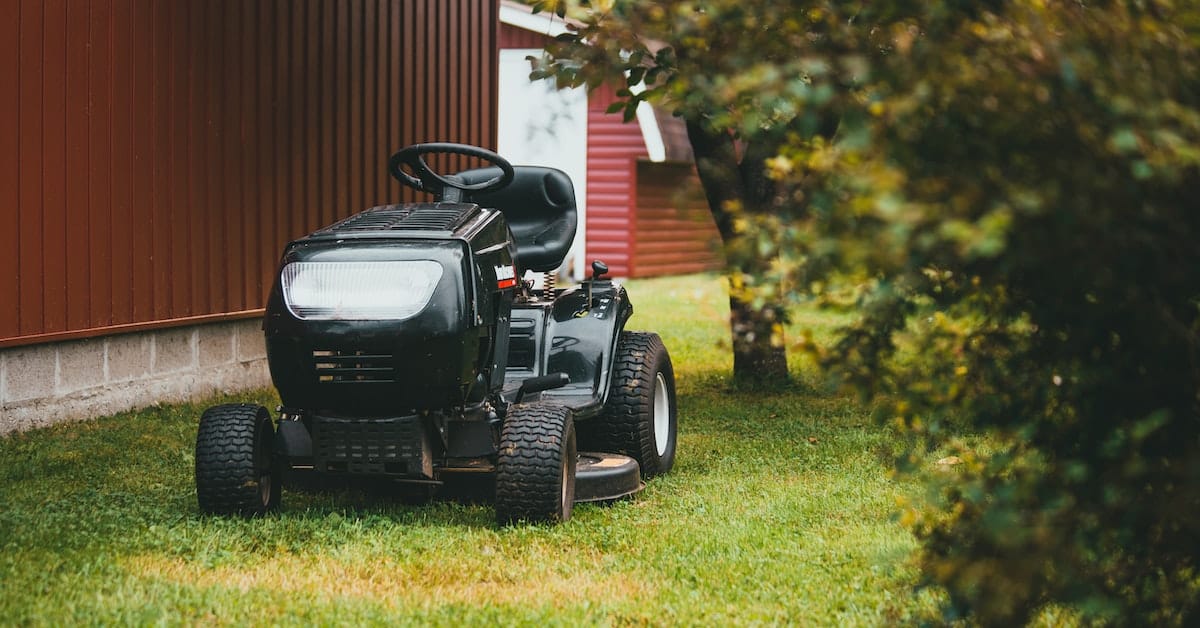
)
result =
(539, 207)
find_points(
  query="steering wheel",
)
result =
(426, 180)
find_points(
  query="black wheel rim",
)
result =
(262, 461)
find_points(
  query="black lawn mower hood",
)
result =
(391, 309)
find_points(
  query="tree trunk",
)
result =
(759, 356)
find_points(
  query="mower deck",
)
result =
(599, 478)
(604, 477)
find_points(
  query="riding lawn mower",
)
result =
(408, 346)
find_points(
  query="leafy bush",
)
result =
(1014, 187)
(1026, 214)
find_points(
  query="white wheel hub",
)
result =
(662, 414)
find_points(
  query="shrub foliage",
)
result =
(1014, 187)
(1028, 210)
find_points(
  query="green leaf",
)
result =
(635, 76)
(630, 112)
(1124, 140)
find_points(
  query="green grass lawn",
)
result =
(779, 510)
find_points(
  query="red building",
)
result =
(644, 213)
(156, 155)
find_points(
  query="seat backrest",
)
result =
(539, 207)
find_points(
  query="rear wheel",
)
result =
(535, 472)
(235, 474)
(640, 418)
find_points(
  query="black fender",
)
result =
(582, 331)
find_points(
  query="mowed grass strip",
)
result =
(780, 510)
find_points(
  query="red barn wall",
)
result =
(613, 150)
(674, 232)
(644, 219)
(514, 37)
(156, 155)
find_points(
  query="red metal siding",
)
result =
(613, 148)
(159, 154)
(514, 37)
(10, 172)
(674, 232)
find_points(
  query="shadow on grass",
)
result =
(135, 469)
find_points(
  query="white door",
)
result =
(541, 126)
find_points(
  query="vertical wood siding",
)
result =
(613, 148)
(514, 37)
(156, 155)
(674, 232)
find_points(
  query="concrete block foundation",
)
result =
(42, 385)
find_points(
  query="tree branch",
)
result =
(717, 165)
(759, 187)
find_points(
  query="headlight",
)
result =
(326, 291)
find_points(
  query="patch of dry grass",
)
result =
(534, 583)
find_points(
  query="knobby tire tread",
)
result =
(533, 442)
(626, 425)
(226, 477)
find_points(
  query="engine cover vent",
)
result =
(352, 367)
(409, 217)
(522, 345)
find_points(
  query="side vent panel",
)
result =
(353, 367)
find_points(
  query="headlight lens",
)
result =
(325, 291)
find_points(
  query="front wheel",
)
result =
(640, 418)
(535, 472)
(235, 474)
